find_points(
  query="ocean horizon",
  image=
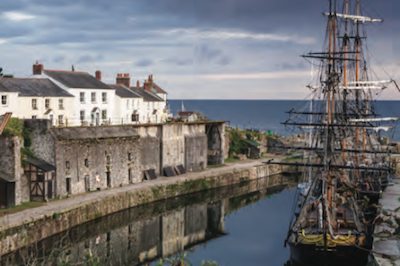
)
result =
(267, 115)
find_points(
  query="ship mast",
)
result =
(358, 40)
(345, 42)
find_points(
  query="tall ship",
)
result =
(347, 165)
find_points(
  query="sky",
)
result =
(195, 49)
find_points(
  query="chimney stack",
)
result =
(138, 84)
(124, 79)
(37, 68)
(98, 74)
(147, 86)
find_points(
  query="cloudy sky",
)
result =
(196, 49)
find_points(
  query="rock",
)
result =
(387, 247)
(242, 157)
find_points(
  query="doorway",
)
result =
(68, 185)
(108, 179)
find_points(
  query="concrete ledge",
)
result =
(29, 226)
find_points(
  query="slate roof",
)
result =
(147, 96)
(158, 88)
(252, 142)
(41, 164)
(28, 87)
(123, 91)
(75, 79)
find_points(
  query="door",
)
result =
(68, 185)
(50, 189)
(3, 194)
(52, 119)
(97, 119)
(108, 179)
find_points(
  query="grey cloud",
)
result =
(89, 58)
(144, 63)
(204, 54)
(59, 59)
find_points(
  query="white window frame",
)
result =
(82, 97)
(6, 100)
(93, 97)
(34, 104)
(61, 104)
(60, 119)
(104, 111)
(104, 97)
(82, 115)
(47, 103)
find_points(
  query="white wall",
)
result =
(21, 107)
(11, 105)
(88, 105)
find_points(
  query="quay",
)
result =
(29, 226)
(386, 245)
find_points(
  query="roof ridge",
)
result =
(69, 71)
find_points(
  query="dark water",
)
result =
(266, 114)
(244, 224)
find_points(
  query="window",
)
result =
(60, 119)
(135, 117)
(47, 103)
(87, 162)
(93, 97)
(104, 114)
(61, 104)
(34, 117)
(104, 97)
(82, 97)
(148, 106)
(108, 159)
(129, 156)
(82, 115)
(127, 104)
(34, 104)
(67, 165)
(4, 100)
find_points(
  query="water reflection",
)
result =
(147, 233)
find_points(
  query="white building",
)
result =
(152, 107)
(35, 98)
(128, 104)
(94, 101)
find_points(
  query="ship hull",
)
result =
(342, 255)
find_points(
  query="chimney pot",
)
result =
(124, 80)
(98, 75)
(37, 69)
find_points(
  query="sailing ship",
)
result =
(350, 169)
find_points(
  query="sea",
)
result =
(268, 115)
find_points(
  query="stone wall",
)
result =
(150, 148)
(195, 147)
(10, 164)
(172, 145)
(30, 231)
(43, 140)
(109, 159)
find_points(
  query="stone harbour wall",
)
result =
(30, 231)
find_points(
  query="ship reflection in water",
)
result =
(196, 223)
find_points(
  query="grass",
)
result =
(293, 159)
(231, 160)
(22, 207)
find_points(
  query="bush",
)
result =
(13, 128)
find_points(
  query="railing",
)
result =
(67, 122)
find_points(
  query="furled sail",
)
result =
(354, 18)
